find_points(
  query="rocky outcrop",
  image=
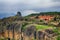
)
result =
(47, 34)
(30, 33)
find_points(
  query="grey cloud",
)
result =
(49, 5)
(56, 0)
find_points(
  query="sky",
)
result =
(26, 7)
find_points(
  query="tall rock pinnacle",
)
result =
(18, 14)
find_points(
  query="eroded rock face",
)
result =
(14, 26)
(41, 35)
(49, 31)
(13, 31)
(30, 30)
(47, 34)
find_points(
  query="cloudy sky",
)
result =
(10, 7)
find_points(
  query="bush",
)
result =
(41, 21)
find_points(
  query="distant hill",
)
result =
(50, 13)
(45, 13)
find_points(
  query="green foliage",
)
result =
(33, 14)
(56, 30)
(50, 13)
(23, 26)
(58, 38)
(42, 27)
(41, 20)
(3, 39)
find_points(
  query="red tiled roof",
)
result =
(45, 17)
